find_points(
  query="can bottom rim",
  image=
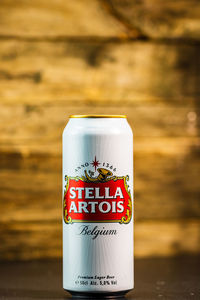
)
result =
(92, 295)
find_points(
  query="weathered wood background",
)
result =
(140, 58)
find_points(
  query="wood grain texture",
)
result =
(166, 183)
(140, 58)
(97, 73)
(56, 18)
(167, 238)
(159, 19)
(40, 125)
(28, 240)
(114, 18)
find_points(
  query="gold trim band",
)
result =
(97, 116)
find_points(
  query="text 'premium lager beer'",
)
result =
(97, 205)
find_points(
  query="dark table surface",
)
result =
(155, 278)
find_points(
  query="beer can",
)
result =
(97, 205)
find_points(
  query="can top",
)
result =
(97, 116)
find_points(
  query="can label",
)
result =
(97, 212)
(104, 198)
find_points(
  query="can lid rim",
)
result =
(97, 116)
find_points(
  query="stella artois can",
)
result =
(97, 205)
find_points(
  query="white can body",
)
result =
(97, 205)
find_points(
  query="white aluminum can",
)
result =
(98, 205)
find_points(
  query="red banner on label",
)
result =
(108, 201)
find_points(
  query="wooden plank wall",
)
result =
(140, 58)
